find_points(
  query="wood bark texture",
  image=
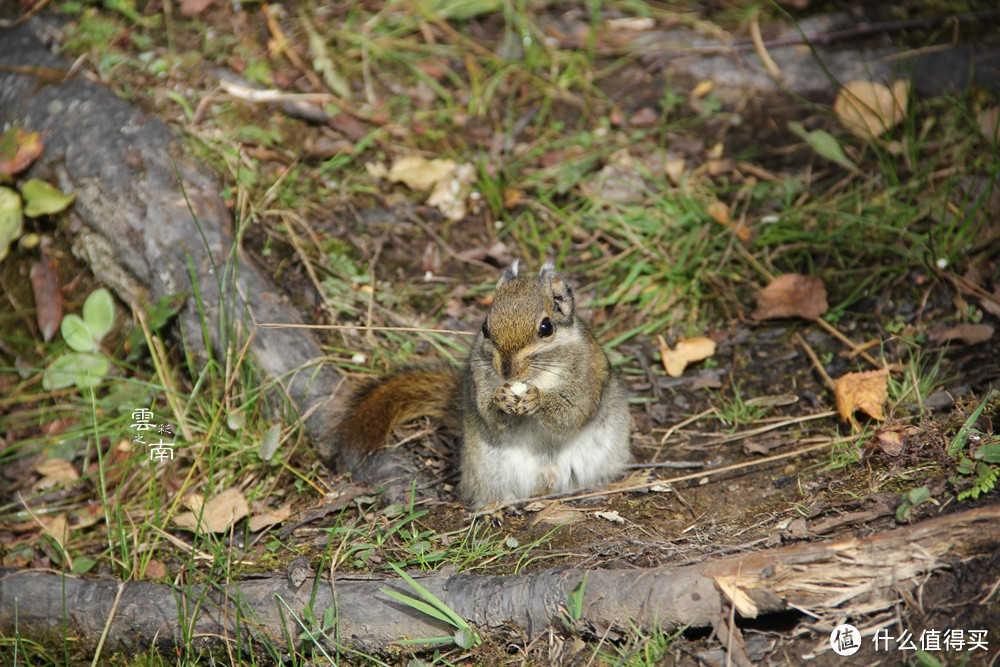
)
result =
(821, 577)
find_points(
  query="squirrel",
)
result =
(540, 408)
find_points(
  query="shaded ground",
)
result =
(557, 178)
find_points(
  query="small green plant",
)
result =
(85, 366)
(646, 649)
(983, 462)
(314, 628)
(574, 601)
(823, 143)
(315, 632)
(737, 411)
(985, 481)
(36, 198)
(912, 499)
(977, 471)
(921, 378)
(19, 148)
(465, 635)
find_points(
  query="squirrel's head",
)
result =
(532, 315)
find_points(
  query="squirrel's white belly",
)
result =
(535, 461)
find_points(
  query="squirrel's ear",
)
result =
(508, 274)
(558, 289)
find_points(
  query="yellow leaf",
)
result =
(450, 193)
(376, 169)
(868, 109)
(556, 514)
(703, 88)
(59, 469)
(418, 173)
(685, 352)
(719, 211)
(267, 518)
(56, 528)
(218, 514)
(55, 472)
(866, 391)
(674, 166)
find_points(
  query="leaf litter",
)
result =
(792, 295)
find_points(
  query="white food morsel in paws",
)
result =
(517, 388)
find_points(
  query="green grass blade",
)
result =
(454, 619)
(418, 605)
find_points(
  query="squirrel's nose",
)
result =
(506, 367)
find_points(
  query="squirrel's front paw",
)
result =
(516, 398)
(506, 399)
(528, 405)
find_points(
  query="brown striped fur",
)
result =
(377, 406)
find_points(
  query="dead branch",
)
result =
(817, 577)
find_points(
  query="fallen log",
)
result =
(821, 577)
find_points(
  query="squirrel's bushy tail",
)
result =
(377, 406)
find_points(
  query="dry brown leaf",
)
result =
(349, 126)
(155, 570)
(269, 518)
(991, 304)
(890, 442)
(18, 149)
(219, 513)
(706, 382)
(868, 109)
(686, 351)
(615, 182)
(452, 191)
(674, 166)
(48, 298)
(989, 123)
(55, 472)
(376, 169)
(792, 295)
(419, 173)
(59, 469)
(703, 88)
(644, 117)
(966, 332)
(632, 23)
(512, 197)
(557, 514)
(56, 528)
(719, 211)
(193, 501)
(866, 391)
(191, 8)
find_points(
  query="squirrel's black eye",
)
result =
(486, 331)
(545, 328)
